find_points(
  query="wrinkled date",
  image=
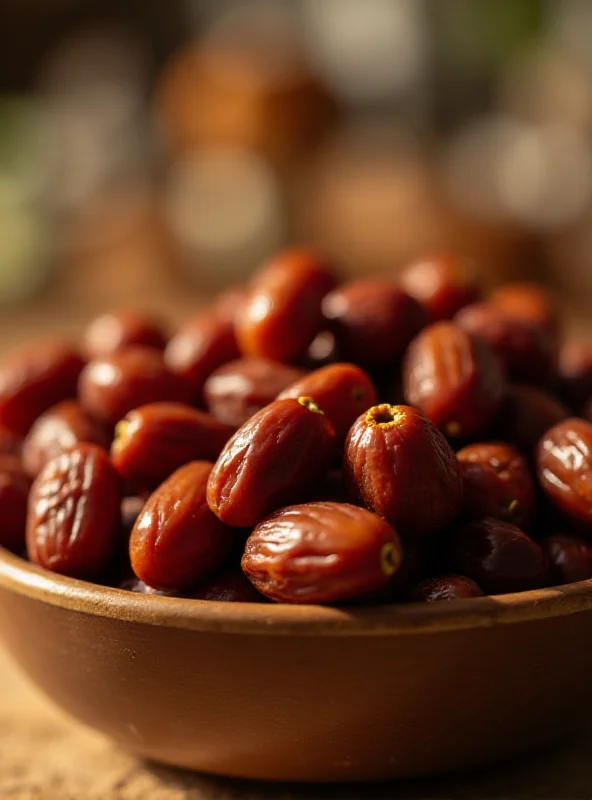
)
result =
(454, 379)
(403, 468)
(343, 391)
(119, 329)
(497, 483)
(152, 441)
(446, 587)
(443, 284)
(321, 553)
(498, 556)
(278, 456)
(569, 558)
(527, 412)
(527, 352)
(112, 386)
(373, 321)
(35, 378)
(14, 493)
(237, 390)
(176, 540)
(58, 429)
(74, 513)
(564, 462)
(281, 314)
(199, 347)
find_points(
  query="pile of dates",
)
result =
(309, 441)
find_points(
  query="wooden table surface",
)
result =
(44, 756)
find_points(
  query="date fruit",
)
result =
(74, 513)
(445, 587)
(119, 329)
(154, 440)
(498, 556)
(112, 386)
(564, 462)
(454, 379)
(343, 391)
(497, 483)
(372, 320)
(527, 352)
(237, 390)
(403, 468)
(34, 378)
(321, 553)
(281, 314)
(199, 347)
(278, 456)
(58, 429)
(176, 540)
(569, 558)
(443, 284)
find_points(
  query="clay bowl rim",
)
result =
(29, 580)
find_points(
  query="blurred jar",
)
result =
(375, 203)
(242, 88)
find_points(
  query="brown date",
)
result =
(74, 513)
(529, 302)
(403, 468)
(569, 558)
(119, 329)
(281, 314)
(372, 320)
(176, 540)
(497, 483)
(445, 587)
(58, 429)
(527, 352)
(112, 386)
(14, 493)
(228, 587)
(199, 347)
(574, 373)
(527, 412)
(238, 389)
(34, 378)
(498, 556)
(154, 440)
(323, 350)
(443, 284)
(454, 379)
(564, 463)
(343, 391)
(321, 553)
(277, 457)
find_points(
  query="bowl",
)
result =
(305, 693)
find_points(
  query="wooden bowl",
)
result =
(305, 693)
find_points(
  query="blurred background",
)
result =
(153, 153)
